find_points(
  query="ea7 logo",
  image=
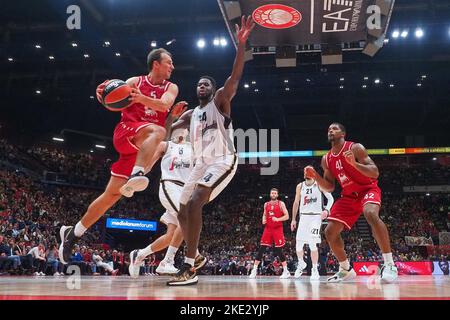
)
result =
(74, 20)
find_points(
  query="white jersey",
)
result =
(310, 199)
(211, 133)
(176, 163)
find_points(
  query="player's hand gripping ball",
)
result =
(114, 94)
(310, 172)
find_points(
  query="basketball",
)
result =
(116, 95)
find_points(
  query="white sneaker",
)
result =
(36, 273)
(343, 275)
(314, 275)
(56, 274)
(253, 273)
(389, 273)
(42, 274)
(298, 273)
(137, 182)
(285, 275)
(135, 264)
(166, 268)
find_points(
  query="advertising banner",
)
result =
(129, 224)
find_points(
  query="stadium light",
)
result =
(223, 42)
(201, 43)
(100, 146)
(38, 46)
(427, 194)
(246, 86)
(91, 97)
(74, 44)
(117, 54)
(38, 91)
(91, 151)
(419, 84)
(395, 34)
(386, 40)
(364, 86)
(366, 78)
(256, 90)
(434, 159)
(216, 42)
(287, 89)
(377, 81)
(404, 34)
(86, 56)
(58, 139)
(341, 87)
(391, 85)
(51, 57)
(10, 59)
(286, 81)
(253, 82)
(168, 43)
(419, 33)
(106, 43)
(153, 44)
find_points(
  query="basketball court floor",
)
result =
(221, 288)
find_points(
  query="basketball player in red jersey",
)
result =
(136, 138)
(275, 213)
(349, 163)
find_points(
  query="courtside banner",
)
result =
(129, 224)
(283, 23)
(418, 268)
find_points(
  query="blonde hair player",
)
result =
(309, 204)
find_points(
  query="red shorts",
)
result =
(348, 208)
(271, 236)
(123, 133)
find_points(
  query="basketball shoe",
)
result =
(314, 275)
(166, 267)
(285, 275)
(136, 182)
(68, 241)
(186, 276)
(135, 264)
(300, 267)
(254, 273)
(389, 273)
(343, 275)
(199, 262)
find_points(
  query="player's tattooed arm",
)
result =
(225, 94)
(360, 160)
(285, 216)
(295, 206)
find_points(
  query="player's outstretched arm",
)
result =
(184, 121)
(360, 160)
(225, 94)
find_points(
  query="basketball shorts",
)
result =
(273, 236)
(308, 230)
(123, 134)
(169, 195)
(216, 174)
(348, 208)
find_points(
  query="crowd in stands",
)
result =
(32, 212)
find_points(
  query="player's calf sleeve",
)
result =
(260, 253)
(280, 254)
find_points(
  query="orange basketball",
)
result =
(116, 95)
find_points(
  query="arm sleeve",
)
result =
(330, 200)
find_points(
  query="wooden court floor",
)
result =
(220, 288)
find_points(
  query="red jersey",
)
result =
(350, 179)
(273, 209)
(137, 112)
